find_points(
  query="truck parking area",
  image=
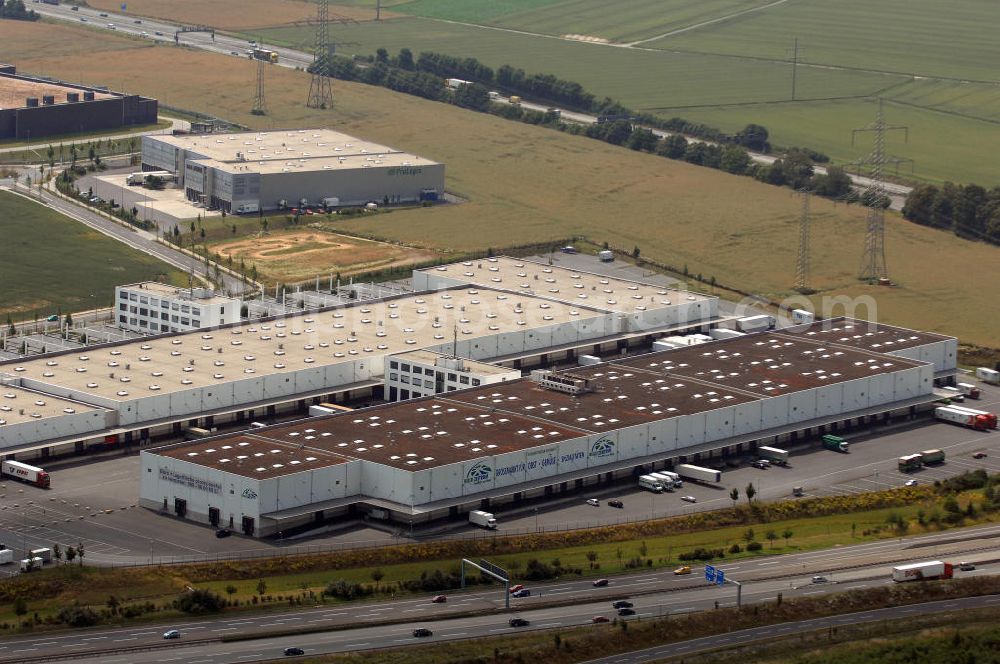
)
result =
(105, 518)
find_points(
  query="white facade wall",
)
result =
(164, 478)
(143, 310)
(942, 354)
(52, 428)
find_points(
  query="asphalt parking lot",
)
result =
(95, 503)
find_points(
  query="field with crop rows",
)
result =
(50, 263)
(527, 183)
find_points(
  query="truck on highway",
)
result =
(963, 418)
(934, 569)
(483, 519)
(692, 472)
(264, 54)
(773, 454)
(514, 100)
(932, 456)
(650, 483)
(25, 473)
(836, 443)
(969, 390)
(755, 323)
(909, 463)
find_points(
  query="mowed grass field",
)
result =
(527, 184)
(50, 263)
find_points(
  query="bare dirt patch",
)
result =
(295, 255)
(231, 14)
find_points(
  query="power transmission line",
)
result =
(259, 104)
(320, 88)
(802, 263)
(873, 263)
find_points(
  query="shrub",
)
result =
(754, 546)
(77, 616)
(200, 601)
(735, 548)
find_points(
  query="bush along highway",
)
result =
(72, 595)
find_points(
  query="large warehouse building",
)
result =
(272, 170)
(156, 387)
(554, 432)
(33, 108)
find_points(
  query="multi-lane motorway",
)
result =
(355, 626)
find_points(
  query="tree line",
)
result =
(15, 10)
(969, 211)
(424, 77)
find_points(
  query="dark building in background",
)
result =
(33, 107)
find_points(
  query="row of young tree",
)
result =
(968, 211)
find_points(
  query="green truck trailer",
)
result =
(932, 456)
(835, 443)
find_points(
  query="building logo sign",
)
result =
(249, 494)
(543, 459)
(602, 448)
(405, 170)
(189, 481)
(480, 473)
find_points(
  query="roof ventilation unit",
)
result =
(48, 100)
(72, 97)
(31, 102)
(88, 95)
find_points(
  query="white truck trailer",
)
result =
(755, 323)
(934, 569)
(25, 473)
(666, 480)
(988, 375)
(773, 454)
(691, 472)
(6, 556)
(482, 519)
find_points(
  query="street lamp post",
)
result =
(536, 519)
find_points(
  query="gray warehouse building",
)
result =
(32, 107)
(247, 172)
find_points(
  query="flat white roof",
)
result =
(250, 148)
(19, 405)
(199, 358)
(564, 284)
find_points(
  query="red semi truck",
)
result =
(964, 418)
(25, 473)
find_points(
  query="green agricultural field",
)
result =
(643, 79)
(945, 38)
(50, 263)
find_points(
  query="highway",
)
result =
(654, 593)
(299, 60)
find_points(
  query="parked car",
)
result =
(53, 318)
(622, 604)
(689, 499)
(103, 15)
(762, 464)
(625, 611)
(439, 599)
(172, 634)
(223, 532)
(600, 583)
(518, 622)
(422, 631)
(294, 651)
(158, 34)
(616, 503)
(911, 483)
(966, 567)
(137, 21)
(979, 455)
(820, 579)
(599, 619)
(594, 502)
(514, 588)
(686, 569)
(523, 592)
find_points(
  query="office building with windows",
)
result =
(424, 373)
(153, 308)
